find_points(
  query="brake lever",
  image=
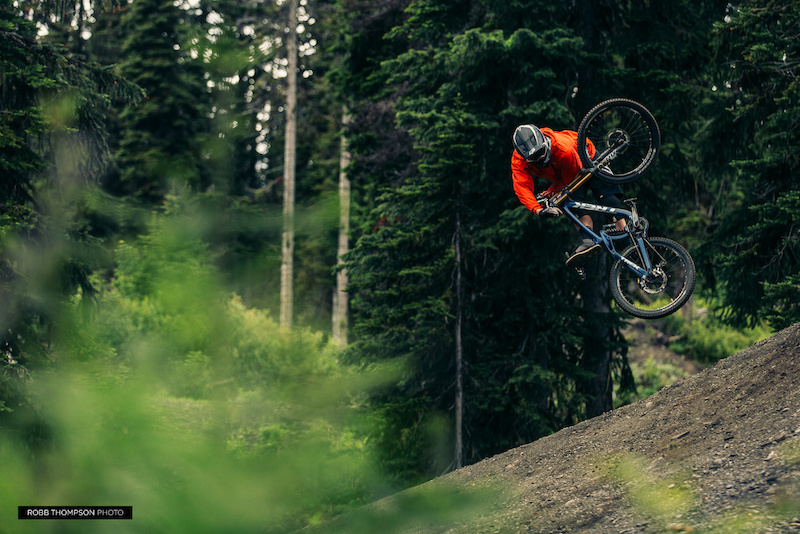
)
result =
(543, 201)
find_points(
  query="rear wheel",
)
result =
(666, 287)
(625, 134)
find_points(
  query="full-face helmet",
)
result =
(532, 145)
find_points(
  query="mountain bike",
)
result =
(651, 277)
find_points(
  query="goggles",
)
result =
(539, 155)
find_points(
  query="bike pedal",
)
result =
(581, 272)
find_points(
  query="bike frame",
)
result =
(604, 238)
(566, 203)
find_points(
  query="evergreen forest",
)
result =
(262, 262)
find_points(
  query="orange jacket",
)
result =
(565, 164)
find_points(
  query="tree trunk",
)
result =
(597, 350)
(596, 295)
(458, 456)
(287, 245)
(340, 302)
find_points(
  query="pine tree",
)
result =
(758, 266)
(403, 272)
(159, 145)
(53, 108)
(450, 272)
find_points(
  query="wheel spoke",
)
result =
(666, 287)
(612, 121)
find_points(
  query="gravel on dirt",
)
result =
(716, 452)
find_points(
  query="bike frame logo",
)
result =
(594, 207)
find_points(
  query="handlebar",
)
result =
(544, 201)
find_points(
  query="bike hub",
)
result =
(655, 282)
(618, 139)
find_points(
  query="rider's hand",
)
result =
(548, 194)
(551, 212)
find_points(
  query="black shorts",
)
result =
(603, 192)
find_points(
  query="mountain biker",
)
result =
(554, 156)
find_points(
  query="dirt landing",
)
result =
(717, 449)
(717, 452)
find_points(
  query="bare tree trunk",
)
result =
(287, 245)
(458, 456)
(340, 302)
(597, 349)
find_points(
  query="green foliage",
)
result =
(152, 156)
(651, 376)
(119, 440)
(53, 108)
(664, 500)
(435, 88)
(148, 297)
(707, 337)
(757, 242)
(782, 297)
(51, 101)
(203, 414)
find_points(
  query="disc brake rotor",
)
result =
(654, 282)
(618, 138)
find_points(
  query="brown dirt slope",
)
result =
(716, 452)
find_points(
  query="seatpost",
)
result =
(574, 185)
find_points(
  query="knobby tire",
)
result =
(614, 119)
(678, 279)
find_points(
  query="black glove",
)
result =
(551, 212)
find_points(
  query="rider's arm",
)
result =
(523, 183)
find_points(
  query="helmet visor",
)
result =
(539, 155)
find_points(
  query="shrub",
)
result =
(705, 338)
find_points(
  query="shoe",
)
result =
(586, 249)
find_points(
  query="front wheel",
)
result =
(667, 286)
(624, 134)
